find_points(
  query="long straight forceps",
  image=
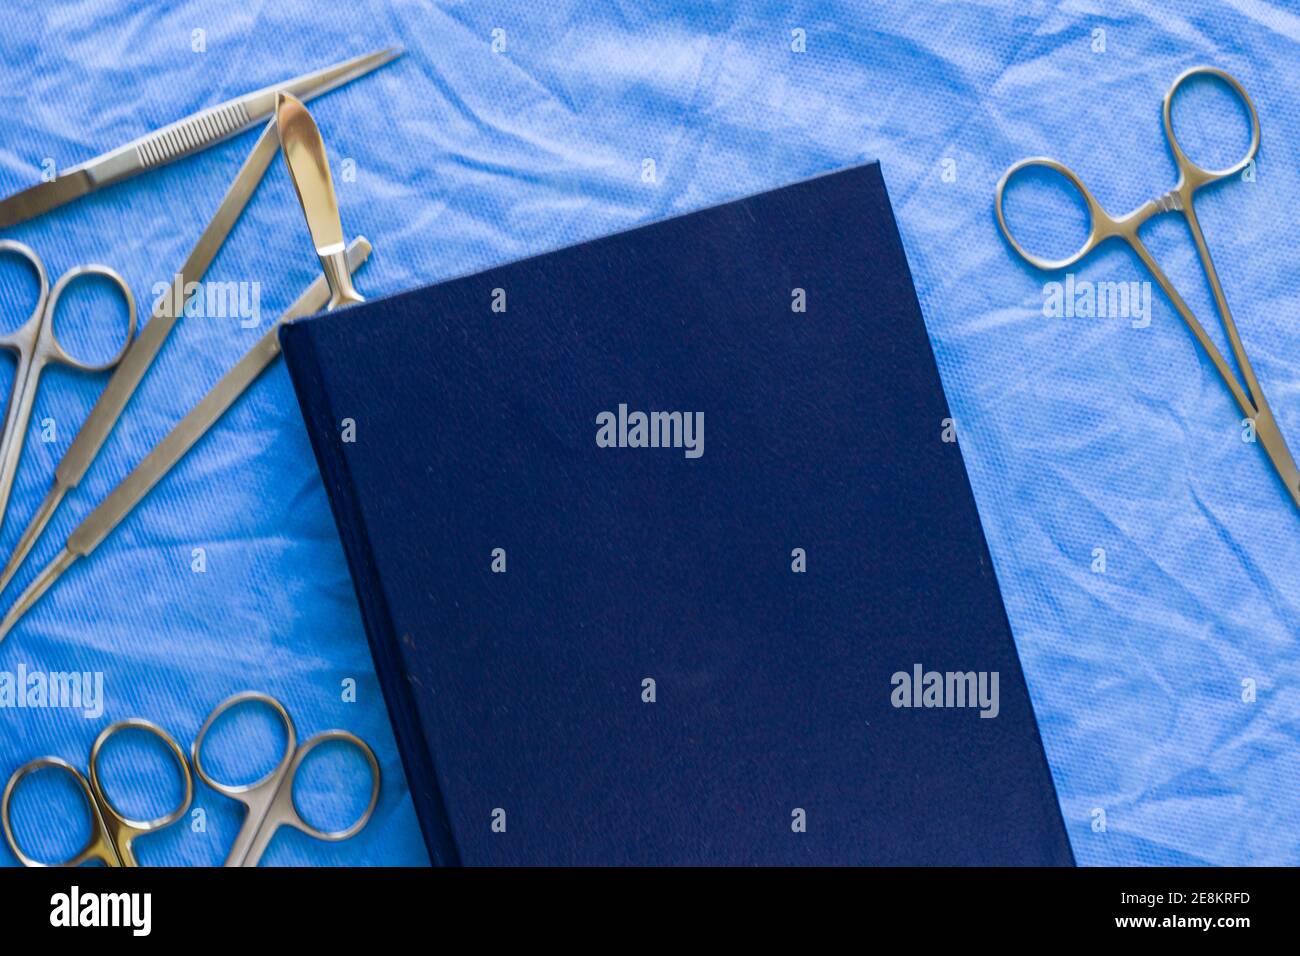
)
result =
(195, 133)
(131, 490)
(1104, 226)
(36, 345)
(185, 137)
(139, 358)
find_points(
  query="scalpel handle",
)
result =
(338, 273)
(100, 522)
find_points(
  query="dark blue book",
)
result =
(663, 556)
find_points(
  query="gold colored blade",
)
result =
(304, 154)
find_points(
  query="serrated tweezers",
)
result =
(183, 138)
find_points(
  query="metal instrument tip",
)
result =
(42, 583)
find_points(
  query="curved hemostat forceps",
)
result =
(316, 193)
(1104, 226)
(304, 153)
(97, 526)
(37, 345)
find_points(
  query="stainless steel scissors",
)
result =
(112, 833)
(1104, 226)
(182, 138)
(36, 345)
(269, 802)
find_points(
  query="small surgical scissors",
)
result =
(269, 802)
(112, 833)
(36, 345)
(1104, 226)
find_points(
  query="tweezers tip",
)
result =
(36, 590)
(9, 571)
(377, 58)
(12, 616)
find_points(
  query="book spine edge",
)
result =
(385, 650)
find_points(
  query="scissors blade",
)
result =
(97, 526)
(184, 138)
(43, 197)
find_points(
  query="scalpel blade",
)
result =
(309, 168)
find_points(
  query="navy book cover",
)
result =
(664, 558)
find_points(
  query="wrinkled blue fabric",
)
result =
(1148, 556)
